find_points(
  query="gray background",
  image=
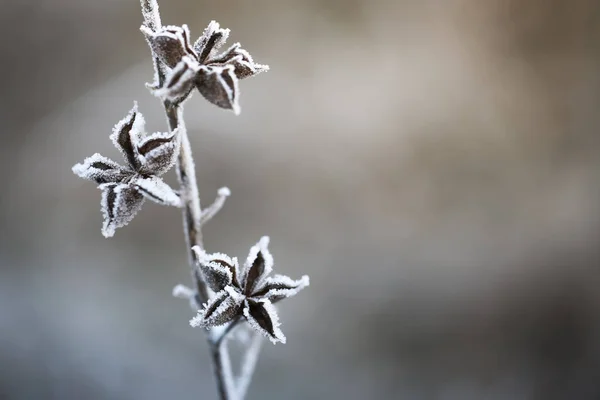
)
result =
(433, 165)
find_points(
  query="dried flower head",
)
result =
(124, 188)
(201, 66)
(247, 292)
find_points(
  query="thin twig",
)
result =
(225, 331)
(222, 367)
(248, 365)
(192, 213)
(151, 14)
(216, 206)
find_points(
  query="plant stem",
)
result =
(151, 14)
(192, 225)
(192, 212)
(248, 365)
(222, 367)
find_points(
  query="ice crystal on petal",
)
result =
(120, 203)
(262, 316)
(219, 85)
(258, 265)
(155, 189)
(279, 287)
(249, 294)
(218, 311)
(214, 75)
(169, 43)
(241, 60)
(126, 134)
(100, 169)
(158, 152)
(218, 270)
(180, 81)
(125, 187)
(211, 40)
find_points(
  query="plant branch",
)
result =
(222, 368)
(218, 337)
(151, 14)
(248, 365)
(215, 207)
(192, 213)
(193, 218)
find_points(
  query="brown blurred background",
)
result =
(433, 165)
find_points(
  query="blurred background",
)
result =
(432, 165)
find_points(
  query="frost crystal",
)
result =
(180, 81)
(214, 75)
(124, 188)
(216, 206)
(247, 291)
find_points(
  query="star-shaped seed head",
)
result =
(248, 291)
(200, 65)
(124, 187)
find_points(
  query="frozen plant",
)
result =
(225, 295)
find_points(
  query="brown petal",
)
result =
(241, 60)
(218, 270)
(157, 190)
(258, 265)
(263, 318)
(126, 133)
(219, 310)
(279, 287)
(169, 43)
(180, 81)
(120, 203)
(157, 153)
(211, 40)
(219, 85)
(101, 170)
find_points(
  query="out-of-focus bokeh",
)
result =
(433, 165)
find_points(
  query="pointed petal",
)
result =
(120, 203)
(218, 270)
(219, 85)
(101, 170)
(157, 153)
(180, 81)
(262, 317)
(241, 60)
(157, 190)
(211, 40)
(169, 43)
(258, 265)
(126, 134)
(226, 305)
(279, 287)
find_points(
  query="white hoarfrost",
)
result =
(276, 335)
(209, 212)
